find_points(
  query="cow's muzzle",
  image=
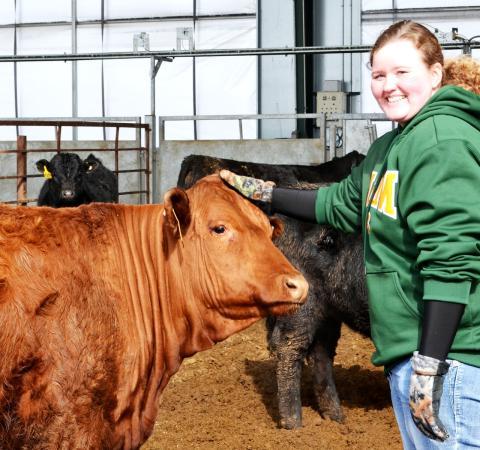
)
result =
(296, 286)
(68, 194)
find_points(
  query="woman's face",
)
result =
(401, 81)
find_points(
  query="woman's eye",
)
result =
(220, 229)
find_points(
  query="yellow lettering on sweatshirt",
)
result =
(383, 200)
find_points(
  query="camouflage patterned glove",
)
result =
(252, 188)
(426, 385)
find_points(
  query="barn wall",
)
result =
(272, 151)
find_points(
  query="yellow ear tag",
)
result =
(46, 173)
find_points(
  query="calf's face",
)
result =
(229, 254)
(65, 170)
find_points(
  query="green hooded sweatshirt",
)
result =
(416, 197)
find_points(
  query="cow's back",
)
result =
(59, 369)
(195, 167)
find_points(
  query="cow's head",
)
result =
(227, 254)
(65, 171)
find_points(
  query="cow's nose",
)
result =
(67, 193)
(297, 287)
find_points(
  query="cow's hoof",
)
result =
(334, 414)
(291, 423)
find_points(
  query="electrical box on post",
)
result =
(331, 102)
(332, 99)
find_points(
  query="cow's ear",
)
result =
(41, 164)
(90, 163)
(277, 226)
(177, 211)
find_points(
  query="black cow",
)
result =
(332, 263)
(195, 167)
(73, 182)
(99, 183)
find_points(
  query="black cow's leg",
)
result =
(290, 338)
(289, 373)
(322, 355)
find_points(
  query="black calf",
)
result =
(73, 182)
(331, 261)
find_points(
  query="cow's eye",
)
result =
(219, 229)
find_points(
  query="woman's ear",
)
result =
(437, 75)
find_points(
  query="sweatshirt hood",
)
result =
(451, 101)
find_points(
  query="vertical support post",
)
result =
(22, 170)
(322, 124)
(154, 66)
(58, 136)
(141, 163)
(147, 160)
(332, 128)
(156, 161)
(117, 133)
(74, 69)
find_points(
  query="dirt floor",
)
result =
(225, 398)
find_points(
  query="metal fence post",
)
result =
(22, 170)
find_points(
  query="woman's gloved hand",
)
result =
(426, 386)
(252, 188)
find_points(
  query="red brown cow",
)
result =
(100, 304)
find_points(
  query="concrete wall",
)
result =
(128, 159)
(272, 151)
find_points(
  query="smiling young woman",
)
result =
(415, 198)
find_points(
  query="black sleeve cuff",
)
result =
(296, 203)
(440, 323)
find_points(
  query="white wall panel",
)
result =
(89, 10)
(428, 3)
(89, 75)
(278, 73)
(89, 39)
(388, 4)
(376, 4)
(226, 33)
(209, 7)
(468, 27)
(43, 11)
(174, 96)
(127, 87)
(44, 90)
(89, 103)
(6, 41)
(226, 85)
(7, 93)
(43, 40)
(115, 9)
(7, 12)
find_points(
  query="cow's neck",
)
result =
(162, 330)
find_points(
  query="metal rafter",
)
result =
(208, 52)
